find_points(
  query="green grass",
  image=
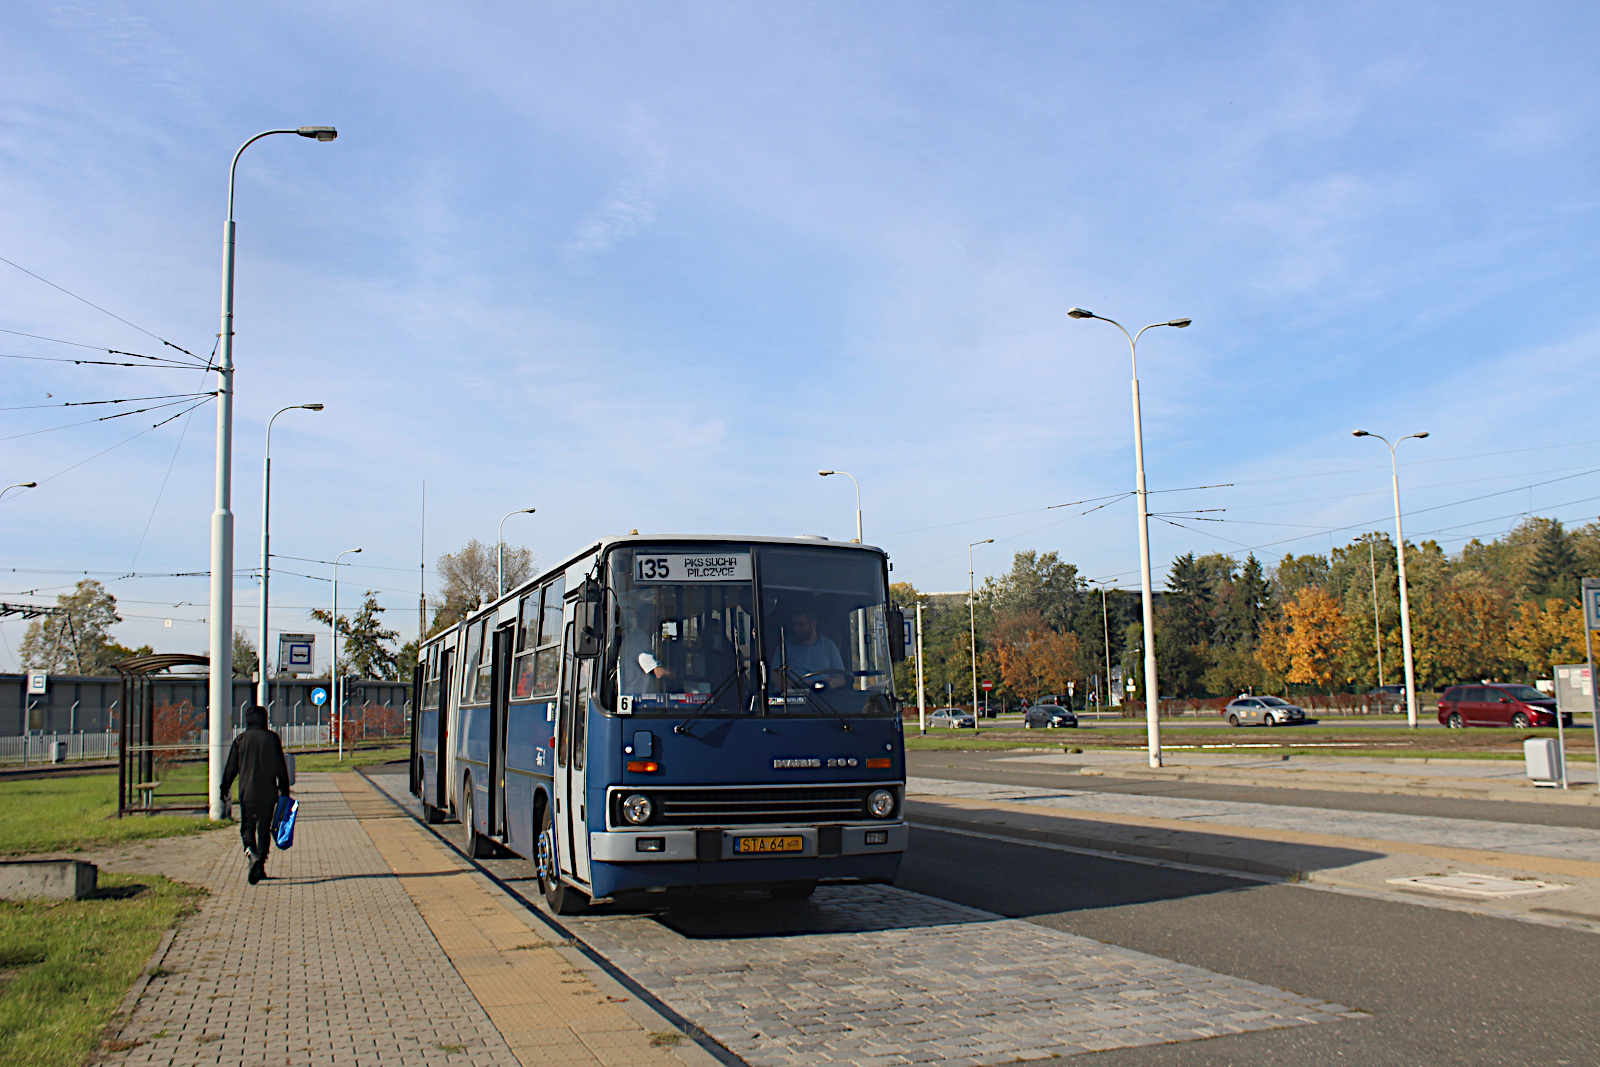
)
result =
(329, 761)
(72, 813)
(71, 962)
(1471, 743)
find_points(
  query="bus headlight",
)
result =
(637, 809)
(880, 803)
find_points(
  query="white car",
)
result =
(955, 718)
(1264, 711)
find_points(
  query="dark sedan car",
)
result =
(1048, 715)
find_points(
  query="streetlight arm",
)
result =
(234, 166)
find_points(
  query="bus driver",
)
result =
(810, 652)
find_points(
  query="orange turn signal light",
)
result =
(878, 763)
(644, 766)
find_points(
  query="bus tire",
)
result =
(562, 899)
(478, 846)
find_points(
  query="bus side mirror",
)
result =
(589, 628)
(897, 635)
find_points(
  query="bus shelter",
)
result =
(161, 743)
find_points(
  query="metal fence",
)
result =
(54, 748)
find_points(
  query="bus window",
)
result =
(469, 664)
(527, 641)
(684, 624)
(580, 715)
(564, 719)
(824, 625)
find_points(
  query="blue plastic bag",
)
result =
(283, 822)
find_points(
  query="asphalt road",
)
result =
(1442, 987)
(992, 767)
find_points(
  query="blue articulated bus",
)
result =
(670, 712)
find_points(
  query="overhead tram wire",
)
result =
(97, 307)
(107, 418)
(119, 444)
(92, 403)
(155, 362)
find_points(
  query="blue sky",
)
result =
(651, 266)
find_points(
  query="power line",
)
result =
(119, 444)
(92, 403)
(106, 418)
(97, 307)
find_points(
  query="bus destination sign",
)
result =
(692, 567)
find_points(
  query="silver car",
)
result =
(1262, 711)
(956, 718)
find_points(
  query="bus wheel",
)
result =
(478, 846)
(793, 891)
(562, 898)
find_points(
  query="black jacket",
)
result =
(256, 759)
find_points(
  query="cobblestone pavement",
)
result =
(878, 976)
(369, 945)
(1556, 842)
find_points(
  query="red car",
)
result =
(1520, 706)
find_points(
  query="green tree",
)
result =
(366, 643)
(1037, 582)
(244, 655)
(78, 642)
(1553, 571)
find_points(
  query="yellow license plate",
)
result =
(769, 844)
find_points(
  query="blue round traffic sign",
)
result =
(319, 696)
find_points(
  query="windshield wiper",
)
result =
(711, 701)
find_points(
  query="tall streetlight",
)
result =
(220, 686)
(265, 685)
(1400, 557)
(852, 477)
(500, 551)
(972, 625)
(1152, 686)
(333, 664)
(19, 485)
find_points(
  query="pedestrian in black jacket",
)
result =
(256, 759)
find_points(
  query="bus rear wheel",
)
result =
(478, 846)
(563, 899)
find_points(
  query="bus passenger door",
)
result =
(495, 823)
(571, 713)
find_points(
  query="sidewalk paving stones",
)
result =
(369, 945)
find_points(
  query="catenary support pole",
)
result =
(922, 695)
(219, 688)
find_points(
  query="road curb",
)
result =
(701, 1049)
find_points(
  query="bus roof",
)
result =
(606, 543)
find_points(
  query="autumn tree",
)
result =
(467, 580)
(1542, 636)
(1460, 633)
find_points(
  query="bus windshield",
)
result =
(824, 631)
(686, 628)
(684, 631)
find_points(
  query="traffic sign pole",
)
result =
(1591, 620)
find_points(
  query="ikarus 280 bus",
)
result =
(667, 712)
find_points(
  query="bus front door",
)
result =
(572, 820)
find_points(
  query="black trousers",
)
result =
(255, 827)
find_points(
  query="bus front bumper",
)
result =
(647, 845)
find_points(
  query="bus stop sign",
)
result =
(1591, 603)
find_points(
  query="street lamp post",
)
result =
(265, 685)
(1152, 687)
(1400, 557)
(19, 485)
(972, 626)
(852, 477)
(333, 663)
(500, 551)
(220, 617)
